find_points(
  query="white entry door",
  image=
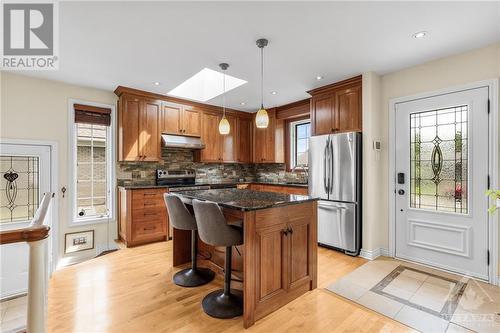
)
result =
(441, 180)
(25, 175)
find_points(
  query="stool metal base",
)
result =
(224, 306)
(193, 277)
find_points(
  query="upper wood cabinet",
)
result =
(244, 139)
(337, 107)
(219, 148)
(211, 138)
(138, 131)
(230, 141)
(180, 119)
(269, 142)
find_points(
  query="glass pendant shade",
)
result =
(262, 118)
(224, 127)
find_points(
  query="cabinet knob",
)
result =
(285, 232)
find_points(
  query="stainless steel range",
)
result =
(179, 180)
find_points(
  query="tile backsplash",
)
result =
(143, 173)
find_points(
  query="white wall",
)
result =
(37, 109)
(452, 71)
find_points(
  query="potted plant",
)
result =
(495, 195)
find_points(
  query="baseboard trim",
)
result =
(374, 254)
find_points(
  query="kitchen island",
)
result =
(278, 258)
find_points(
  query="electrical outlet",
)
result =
(143, 174)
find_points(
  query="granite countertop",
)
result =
(246, 200)
(137, 187)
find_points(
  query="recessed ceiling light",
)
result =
(273, 92)
(243, 103)
(319, 77)
(420, 34)
(156, 83)
(205, 85)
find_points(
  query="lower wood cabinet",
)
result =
(287, 189)
(142, 216)
(285, 255)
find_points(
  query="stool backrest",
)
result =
(212, 225)
(178, 214)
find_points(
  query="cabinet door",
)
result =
(128, 131)
(271, 263)
(264, 141)
(299, 238)
(244, 138)
(191, 120)
(149, 136)
(211, 138)
(229, 141)
(348, 109)
(322, 114)
(171, 118)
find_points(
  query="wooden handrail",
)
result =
(28, 234)
(35, 231)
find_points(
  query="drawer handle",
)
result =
(149, 194)
(149, 203)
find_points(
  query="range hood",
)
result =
(181, 141)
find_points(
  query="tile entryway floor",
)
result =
(423, 298)
(13, 314)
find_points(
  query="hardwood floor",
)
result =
(131, 290)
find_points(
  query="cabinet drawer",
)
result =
(149, 214)
(149, 229)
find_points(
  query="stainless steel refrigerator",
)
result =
(335, 177)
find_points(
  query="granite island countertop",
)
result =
(201, 183)
(245, 200)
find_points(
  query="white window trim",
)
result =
(292, 125)
(111, 173)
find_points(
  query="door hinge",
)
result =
(488, 257)
(489, 104)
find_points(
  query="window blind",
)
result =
(87, 114)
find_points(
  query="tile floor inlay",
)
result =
(449, 304)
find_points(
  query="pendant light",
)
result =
(262, 118)
(224, 127)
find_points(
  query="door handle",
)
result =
(330, 184)
(401, 192)
(325, 153)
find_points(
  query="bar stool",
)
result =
(181, 218)
(214, 230)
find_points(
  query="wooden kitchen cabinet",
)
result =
(138, 131)
(244, 139)
(287, 189)
(180, 119)
(142, 216)
(337, 107)
(269, 142)
(211, 138)
(284, 251)
(219, 148)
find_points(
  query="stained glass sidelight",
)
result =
(438, 160)
(19, 188)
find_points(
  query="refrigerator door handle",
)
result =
(330, 183)
(325, 152)
(330, 206)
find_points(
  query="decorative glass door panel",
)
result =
(19, 188)
(438, 160)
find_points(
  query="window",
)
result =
(92, 155)
(300, 131)
(438, 157)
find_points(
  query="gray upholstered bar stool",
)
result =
(214, 230)
(181, 218)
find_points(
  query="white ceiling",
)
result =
(104, 45)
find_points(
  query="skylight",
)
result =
(205, 85)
